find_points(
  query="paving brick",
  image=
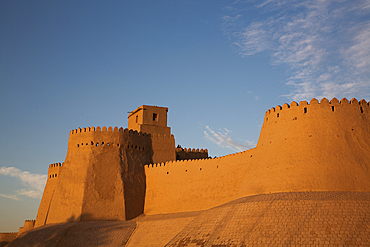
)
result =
(284, 219)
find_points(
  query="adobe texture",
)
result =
(312, 159)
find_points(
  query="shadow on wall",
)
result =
(135, 183)
(88, 233)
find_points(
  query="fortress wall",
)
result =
(323, 148)
(103, 175)
(28, 225)
(302, 147)
(115, 186)
(53, 175)
(186, 185)
(66, 203)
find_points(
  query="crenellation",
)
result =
(293, 104)
(334, 101)
(314, 102)
(344, 101)
(363, 102)
(354, 101)
(313, 108)
(324, 101)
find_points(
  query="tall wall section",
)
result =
(314, 146)
(53, 175)
(192, 185)
(307, 147)
(163, 147)
(103, 175)
(28, 225)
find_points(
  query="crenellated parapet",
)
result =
(110, 134)
(192, 150)
(97, 139)
(314, 105)
(313, 118)
(190, 154)
(54, 170)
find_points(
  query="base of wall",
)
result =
(290, 218)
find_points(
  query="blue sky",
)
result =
(217, 65)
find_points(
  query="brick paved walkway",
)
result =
(284, 219)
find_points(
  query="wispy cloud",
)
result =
(13, 197)
(222, 139)
(325, 44)
(34, 183)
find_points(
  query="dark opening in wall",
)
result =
(50, 176)
(155, 117)
(117, 144)
(97, 144)
(267, 119)
(332, 108)
(167, 172)
(92, 143)
(305, 110)
(137, 118)
(362, 111)
(277, 115)
(56, 175)
(78, 145)
(200, 169)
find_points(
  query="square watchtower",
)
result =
(149, 119)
